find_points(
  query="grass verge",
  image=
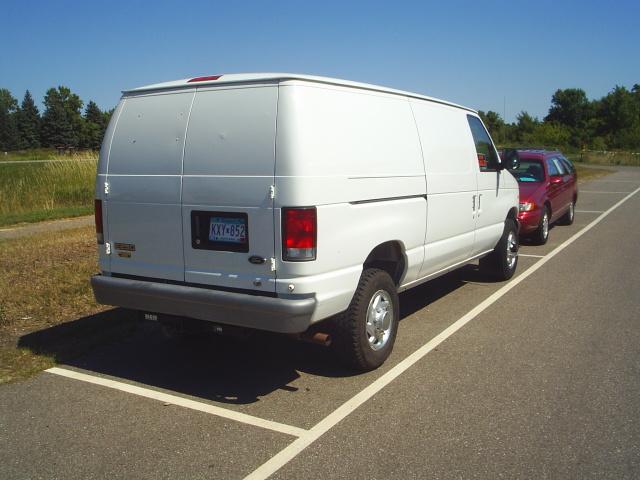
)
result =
(31, 154)
(587, 173)
(47, 310)
(607, 158)
(43, 154)
(33, 192)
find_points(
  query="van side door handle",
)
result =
(473, 206)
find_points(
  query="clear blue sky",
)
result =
(471, 52)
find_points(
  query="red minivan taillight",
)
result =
(299, 234)
(98, 216)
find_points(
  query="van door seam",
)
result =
(184, 147)
(426, 186)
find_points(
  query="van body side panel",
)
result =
(451, 184)
(355, 155)
(338, 144)
(144, 175)
(228, 171)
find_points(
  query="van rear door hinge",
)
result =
(106, 188)
(273, 264)
(272, 192)
(107, 248)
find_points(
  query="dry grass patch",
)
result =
(31, 192)
(47, 309)
(586, 174)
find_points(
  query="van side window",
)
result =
(487, 155)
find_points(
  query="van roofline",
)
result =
(227, 79)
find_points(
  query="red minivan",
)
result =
(548, 192)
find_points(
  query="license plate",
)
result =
(227, 229)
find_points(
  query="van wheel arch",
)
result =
(389, 257)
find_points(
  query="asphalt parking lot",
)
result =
(538, 377)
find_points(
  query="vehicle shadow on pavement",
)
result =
(226, 369)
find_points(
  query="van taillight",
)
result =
(98, 216)
(299, 234)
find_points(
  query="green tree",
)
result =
(93, 127)
(62, 120)
(619, 112)
(29, 122)
(551, 135)
(525, 126)
(494, 123)
(9, 136)
(571, 107)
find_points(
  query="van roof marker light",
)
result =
(204, 79)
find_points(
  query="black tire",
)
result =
(498, 264)
(351, 339)
(541, 235)
(569, 217)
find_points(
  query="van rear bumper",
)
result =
(283, 315)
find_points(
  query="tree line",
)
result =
(63, 123)
(574, 122)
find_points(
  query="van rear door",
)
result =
(227, 200)
(142, 194)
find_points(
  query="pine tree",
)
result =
(9, 137)
(29, 123)
(61, 122)
(93, 128)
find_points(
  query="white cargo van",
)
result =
(277, 201)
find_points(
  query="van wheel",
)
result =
(366, 332)
(541, 235)
(502, 262)
(567, 218)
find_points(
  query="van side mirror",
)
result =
(510, 159)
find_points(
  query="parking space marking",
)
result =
(180, 401)
(530, 255)
(589, 211)
(307, 438)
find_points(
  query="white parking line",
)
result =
(530, 255)
(589, 211)
(180, 401)
(297, 446)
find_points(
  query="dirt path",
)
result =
(53, 226)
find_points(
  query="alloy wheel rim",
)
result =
(379, 319)
(545, 225)
(512, 250)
